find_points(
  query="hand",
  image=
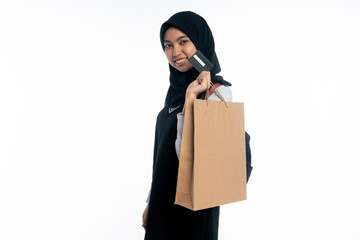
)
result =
(201, 84)
(144, 216)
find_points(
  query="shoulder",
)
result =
(225, 92)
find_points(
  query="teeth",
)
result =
(180, 61)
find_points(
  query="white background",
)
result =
(81, 83)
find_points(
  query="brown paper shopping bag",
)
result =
(212, 166)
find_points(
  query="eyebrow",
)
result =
(177, 39)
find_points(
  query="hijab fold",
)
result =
(197, 29)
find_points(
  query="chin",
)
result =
(185, 69)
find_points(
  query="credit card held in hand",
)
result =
(200, 62)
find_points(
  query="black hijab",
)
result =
(197, 29)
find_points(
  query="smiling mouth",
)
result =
(180, 62)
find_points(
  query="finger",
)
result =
(201, 75)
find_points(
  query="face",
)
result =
(178, 49)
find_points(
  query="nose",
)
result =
(176, 50)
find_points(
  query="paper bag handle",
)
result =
(217, 93)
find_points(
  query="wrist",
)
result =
(191, 96)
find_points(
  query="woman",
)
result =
(181, 36)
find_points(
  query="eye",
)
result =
(184, 41)
(167, 45)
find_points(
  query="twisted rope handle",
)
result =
(217, 93)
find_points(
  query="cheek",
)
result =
(191, 50)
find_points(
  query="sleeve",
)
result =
(148, 197)
(180, 124)
(225, 93)
(249, 168)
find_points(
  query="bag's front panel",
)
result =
(219, 153)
